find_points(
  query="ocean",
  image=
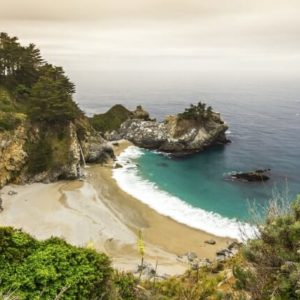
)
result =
(264, 127)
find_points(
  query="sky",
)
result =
(229, 37)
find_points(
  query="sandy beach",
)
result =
(97, 212)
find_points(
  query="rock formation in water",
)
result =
(185, 133)
(253, 176)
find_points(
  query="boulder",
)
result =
(253, 176)
(191, 256)
(97, 150)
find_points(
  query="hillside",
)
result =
(112, 119)
(43, 133)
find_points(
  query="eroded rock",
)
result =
(175, 135)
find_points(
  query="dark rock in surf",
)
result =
(254, 176)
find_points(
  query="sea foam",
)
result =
(130, 180)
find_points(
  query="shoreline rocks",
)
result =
(176, 135)
(259, 175)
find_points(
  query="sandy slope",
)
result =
(97, 211)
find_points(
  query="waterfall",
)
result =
(81, 152)
(84, 164)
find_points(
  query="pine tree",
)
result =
(51, 97)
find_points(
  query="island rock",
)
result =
(177, 134)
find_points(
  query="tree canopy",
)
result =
(197, 112)
(18, 64)
(44, 90)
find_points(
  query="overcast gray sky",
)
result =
(215, 35)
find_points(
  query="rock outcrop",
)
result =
(12, 154)
(96, 149)
(140, 113)
(253, 176)
(23, 158)
(175, 134)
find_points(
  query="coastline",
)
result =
(98, 212)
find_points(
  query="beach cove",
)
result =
(98, 212)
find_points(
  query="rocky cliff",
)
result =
(44, 135)
(33, 154)
(177, 134)
(12, 154)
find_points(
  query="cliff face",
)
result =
(175, 134)
(12, 154)
(33, 154)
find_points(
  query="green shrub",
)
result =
(44, 270)
(125, 286)
(9, 121)
(197, 112)
(6, 103)
(272, 261)
(192, 285)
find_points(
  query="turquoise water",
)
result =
(201, 181)
(262, 137)
(264, 123)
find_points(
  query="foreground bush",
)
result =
(272, 261)
(51, 268)
(267, 267)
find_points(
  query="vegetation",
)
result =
(50, 151)
(6, 103)
(18, 65)
(30, 85)
(51, 268)
(51, 97)
(10, 119)
(38, 96)
(267, 267)
(197, 112)
(271, 268)
(112, 119)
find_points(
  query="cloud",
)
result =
(159, 34)
(100, 10)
